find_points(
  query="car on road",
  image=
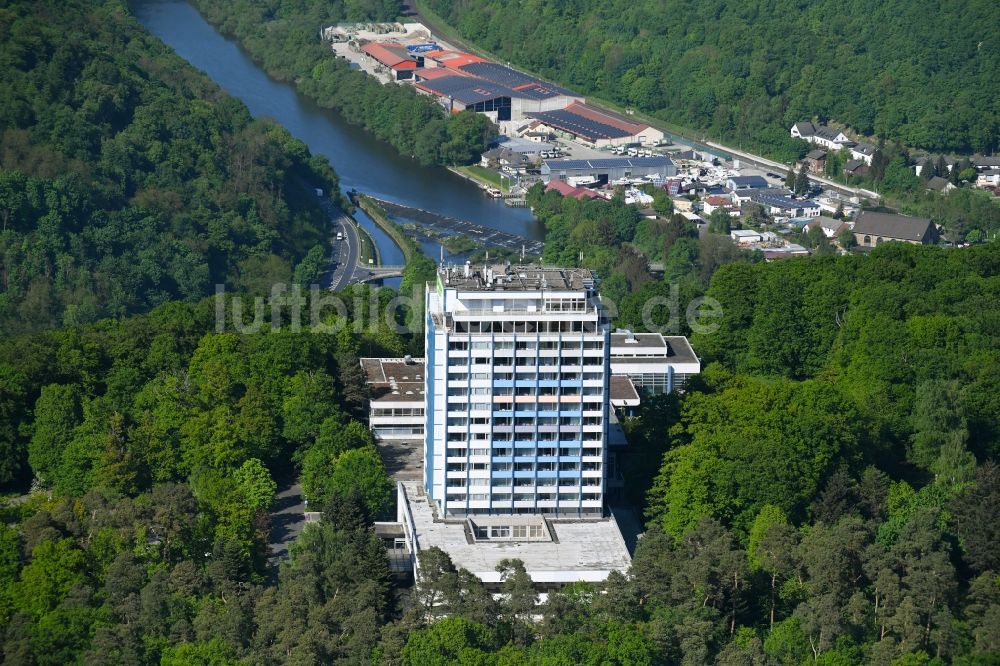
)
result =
(340, 235)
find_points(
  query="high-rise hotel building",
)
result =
(516, 389)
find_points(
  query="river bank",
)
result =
(379, 217)
(363, 163)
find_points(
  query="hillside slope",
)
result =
(922, 73)
(127, 178)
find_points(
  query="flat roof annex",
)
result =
(583, 550)
(394, 379)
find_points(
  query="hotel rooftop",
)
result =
(515, 278)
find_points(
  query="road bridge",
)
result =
(373, 273)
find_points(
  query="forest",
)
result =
(127, 179)
(823, 493)
(283, 38)
(924, 75)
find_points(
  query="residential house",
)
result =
(815, 161)
(785, 207)
(507, 159)
(931, 161)
(873, 229)
(985, 163)
(821, 135)
(856, 168)
(831, 227)
(939, 184)
(988, 178)
(863, 152)
(724, 201)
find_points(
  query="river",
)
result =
(362, 162)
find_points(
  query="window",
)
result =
(500, 532)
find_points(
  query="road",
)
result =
(345, 253)
(287, 520)
(763, 162)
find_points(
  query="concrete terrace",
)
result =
(581, 550)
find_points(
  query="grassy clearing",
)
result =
(485, 176)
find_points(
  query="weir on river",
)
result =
(362, 162)
(487, 237)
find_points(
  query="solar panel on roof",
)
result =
(579, 125)
(511, 78)
(465, 88)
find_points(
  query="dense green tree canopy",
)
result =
(925, 75)
(284, 39)
(128, 179)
